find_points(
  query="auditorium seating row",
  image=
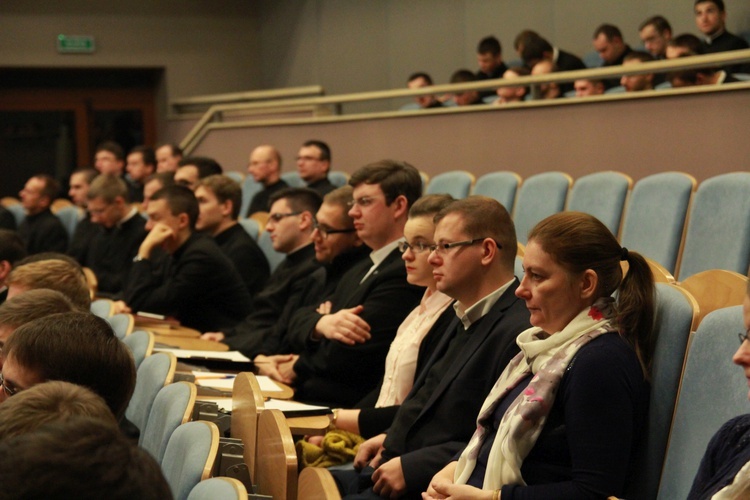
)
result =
(692, 370)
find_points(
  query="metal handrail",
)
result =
(211, 118)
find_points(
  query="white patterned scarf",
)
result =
(546, 357)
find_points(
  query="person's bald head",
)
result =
(265, 165)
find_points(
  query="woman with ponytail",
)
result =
(564, 418)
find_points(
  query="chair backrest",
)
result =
(293, 179)
(655, 216)
(69, 216)
(155, 372)
(251, 227)
(274, 257)
(237, 177)
(661, 275)
(712, 391)
(277, 471)
(122, 324)
(518, 267)
(539, 197)
(338, 178)
(501, 186)
(247, 403)
(219, 488)
(718, 231)
(102, 308)
(18, 213)
(676, 313)
(190, 456)
(457, 183)
(716, 289)
(316, 483)
(249, 189)
(172, 407)
(603, 195)
(141, 344)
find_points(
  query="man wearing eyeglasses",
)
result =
(290, 224)
(313, 165)
(472, 261)
(347, 343)
(338, 249)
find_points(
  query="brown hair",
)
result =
(395, 178)
(54, 274)
(224, 188)
(50, 402)
(579, 241)
(484, 217)
(76, 347)
(108, 188)
(430, 205)
(33, 304)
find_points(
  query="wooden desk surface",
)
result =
(168, 330)
(190, 343)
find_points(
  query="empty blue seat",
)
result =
(602, 195)
(457, 183)
(655, 216)
(293, 179)
(249, 189)
(718, 231)
(502, 186)
(539, 197)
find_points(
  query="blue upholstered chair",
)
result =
(655, 216)
(293, 179)
(237, 177)
(501, 186)
(457, 183)
(539, 197)
(122, 324)
(274, 257)
(518, 268)
(69, 216)
(18, 212)
(102, 308)
(172, 407)
(220, 488)
(338, 178)
(251, 227)
(190, 456)
(718, 231)
(249, 189)
(141, 344)
(155, 372)
(603, 195)
(712, 391)
(676, 318)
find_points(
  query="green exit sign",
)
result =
(75, 44)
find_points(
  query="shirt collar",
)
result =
(481, 308)
(379, 255)
(129, 216)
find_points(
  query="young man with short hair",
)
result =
(40, 229)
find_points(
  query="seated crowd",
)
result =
(450, 376)
(537, 56)
(453, 377)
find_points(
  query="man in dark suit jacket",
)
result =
(290, 224)
(347, 347)
(41, 230)
(197, 284)
(219, 199)
(118, 233)
(473, 263)
(536, 48)
(265, 168)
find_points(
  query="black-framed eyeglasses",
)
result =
(744, 336)
(324, 231)
(442, 248)
(416, 248)
(278, 217)
(364, 201)
(9, 391)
